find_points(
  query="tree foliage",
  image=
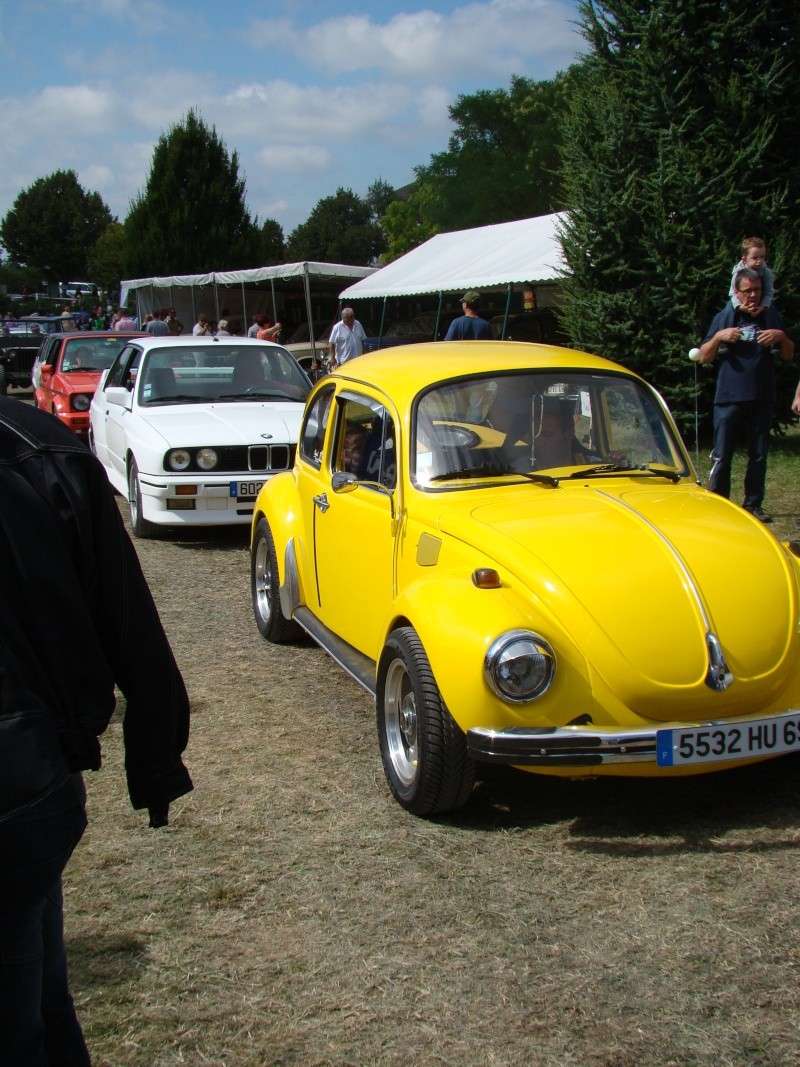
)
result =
(680, 141)
(340, 229)
(53, 224)
(272, 245)
(191, 217)
(501, 163)
(107, 258)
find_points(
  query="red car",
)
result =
(67, 370)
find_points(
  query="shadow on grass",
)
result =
(104, 959)
(628, 816)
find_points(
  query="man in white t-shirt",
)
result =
(346, 340)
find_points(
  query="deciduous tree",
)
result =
(340, 229)
(53, 224)
(108, 257)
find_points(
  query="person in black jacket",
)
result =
(76, 617)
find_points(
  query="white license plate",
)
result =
(728, 741)
(245, 488)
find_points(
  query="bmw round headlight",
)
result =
(520, 666)
(206, 459)
(81, 402)
(178, 459)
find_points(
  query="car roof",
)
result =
(149, 341)
(87, 335)
(403, 370)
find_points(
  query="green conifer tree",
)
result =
(191, 217)
(680, 141)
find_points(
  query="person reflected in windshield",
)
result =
(77, 358)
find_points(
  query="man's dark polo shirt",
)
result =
(746, 371)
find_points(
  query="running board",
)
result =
(360, 667)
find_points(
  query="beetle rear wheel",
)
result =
(265, 589)
(423, 750)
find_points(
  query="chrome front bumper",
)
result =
(569, 745)
(583, 746)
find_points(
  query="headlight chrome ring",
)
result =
(519, 666)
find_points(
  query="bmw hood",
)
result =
(638, 576)
(227, 424)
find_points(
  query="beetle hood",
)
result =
(637, 575)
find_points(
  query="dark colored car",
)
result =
(20, 340)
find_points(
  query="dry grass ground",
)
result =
(292, 913)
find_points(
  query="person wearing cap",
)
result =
(469, 326)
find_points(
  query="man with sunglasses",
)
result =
(742, 339)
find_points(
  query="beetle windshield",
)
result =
(221, 373)
(497, 426)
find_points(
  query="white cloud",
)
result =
(498, 37)
(294, 157)
(432, 103)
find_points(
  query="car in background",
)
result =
(67, 369)
(507, 546)
(189, 429)
(20, 341)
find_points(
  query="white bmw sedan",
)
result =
(190, 428)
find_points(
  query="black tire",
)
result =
(265, 590)
(139, 525)
(423, 750)
(3, 382)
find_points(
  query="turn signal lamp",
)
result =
(185, 490)
(486, 578)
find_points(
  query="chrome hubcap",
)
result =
(400, 723)
(262, 571)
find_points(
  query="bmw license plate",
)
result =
(239, 489)
(729, 741)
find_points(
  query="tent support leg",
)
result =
(505, 316)
(244, 312)
(194, 309)
(216, 301)
(274, 305)
(438, 317)
(309, 313)
(383, 317)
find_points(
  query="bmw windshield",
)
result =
(546, 426)
(220, 373)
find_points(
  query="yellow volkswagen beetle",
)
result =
(507, 545)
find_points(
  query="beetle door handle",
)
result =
(321, 500)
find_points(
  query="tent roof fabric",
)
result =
(528, 250)
(256, 274)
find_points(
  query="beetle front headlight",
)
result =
(520, 666)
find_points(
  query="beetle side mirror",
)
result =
(343, 482)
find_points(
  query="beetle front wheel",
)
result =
(265, 589)
(423, 750)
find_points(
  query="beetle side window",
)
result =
(312, 434)
(365, 443)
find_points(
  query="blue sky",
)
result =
(312, 95)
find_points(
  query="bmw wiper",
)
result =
(599, 469)
(472, 472)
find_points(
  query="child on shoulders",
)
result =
(754, 256)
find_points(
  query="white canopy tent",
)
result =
(487, 257)
(190, 294)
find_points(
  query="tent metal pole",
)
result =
(216, 299)
(171, 296)
(308, 312)
(383, 316)
(194, 308)
(244, 312)
(438, 316)
(274, 305)
(505, 316)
